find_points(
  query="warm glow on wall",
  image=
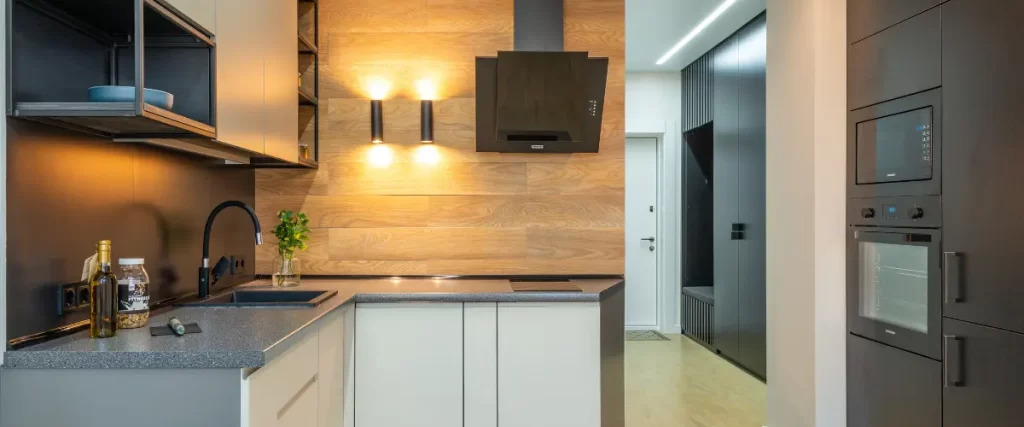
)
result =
(428, 155)
(379, 88)
(427, 89)
(380, 156)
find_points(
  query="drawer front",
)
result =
(275, 388)
(899, 61)
(888, 387)
(867, 17)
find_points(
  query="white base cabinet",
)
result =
(408, 365)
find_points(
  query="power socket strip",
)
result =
(72, 297)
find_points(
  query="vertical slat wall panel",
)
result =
(698, 320)
(698, 93)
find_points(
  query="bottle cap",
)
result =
(131, 261)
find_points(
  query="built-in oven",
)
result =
(894, 272)
(894, 148)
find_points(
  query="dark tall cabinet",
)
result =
(739, 196)
(983, 74)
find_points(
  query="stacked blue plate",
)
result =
(154, 97)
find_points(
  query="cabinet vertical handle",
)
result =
(951, 276)
(952, 360)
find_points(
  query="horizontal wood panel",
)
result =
(397, 244)
(317, 249)
(408, 209)
(575, 178)
(349, 211)
(417, 179)
(576, 243)
(527, 211)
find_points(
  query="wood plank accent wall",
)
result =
(468, 213)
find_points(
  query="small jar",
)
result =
(132, 294)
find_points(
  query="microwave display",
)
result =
(895, 148)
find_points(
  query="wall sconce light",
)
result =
(428, 91)
(427, 121)
(378, 91)
(376, 121)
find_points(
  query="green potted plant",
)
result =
(292, 234)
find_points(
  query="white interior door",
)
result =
(641, 229)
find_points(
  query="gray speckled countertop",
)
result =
(249, 337)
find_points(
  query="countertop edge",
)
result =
(254, 359)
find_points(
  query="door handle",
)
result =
(649, 239)
(737, 231)
(952, 361)
(951, 275)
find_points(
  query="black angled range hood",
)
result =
(539, 98)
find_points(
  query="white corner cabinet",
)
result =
(410, 364)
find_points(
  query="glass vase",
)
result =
(287, 272)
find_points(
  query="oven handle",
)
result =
(953, 369)
(951, 276)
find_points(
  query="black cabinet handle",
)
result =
(951, 276)
(952, 361)
(737, 231)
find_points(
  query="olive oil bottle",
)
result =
(103, 295)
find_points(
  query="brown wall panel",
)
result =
(464, 212)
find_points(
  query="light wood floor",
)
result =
(678, 383)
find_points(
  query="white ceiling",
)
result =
(654, 26)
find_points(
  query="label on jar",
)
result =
(132, 296)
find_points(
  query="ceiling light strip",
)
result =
(696, 30)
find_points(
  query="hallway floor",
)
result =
(679, 383)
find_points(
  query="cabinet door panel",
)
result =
(725, 206)
(281, 96)
(240, 73)
(275, 388)
(408, 365)
(889, 387)
(983, 61)
(991, 392)
(900, 61)
(331, 375)
(750, 266)
(301, 411)
(549, 368)
(866, 17)
(481, 364)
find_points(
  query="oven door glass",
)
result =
(895, 148)
(894, 284)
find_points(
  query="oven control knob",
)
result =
(915, 213)
(867, 212)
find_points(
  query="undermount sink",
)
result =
(264, 298)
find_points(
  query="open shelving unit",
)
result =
(58, 49)
(309, 98)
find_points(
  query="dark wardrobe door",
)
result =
(889, 387)
(984, 376)
(983, 106)
(751, 148)
(726, 204)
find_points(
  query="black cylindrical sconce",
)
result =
(376, 121)
(427, 121)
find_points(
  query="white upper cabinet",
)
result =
(204, 12)
(240, 53)
(408, 365)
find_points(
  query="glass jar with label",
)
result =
(132, 294)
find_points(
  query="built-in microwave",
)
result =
(894, 148)
(894, 284)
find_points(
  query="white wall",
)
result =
(806, 163)
(653, 102)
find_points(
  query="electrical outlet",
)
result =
(72, 297)
(238, 267)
